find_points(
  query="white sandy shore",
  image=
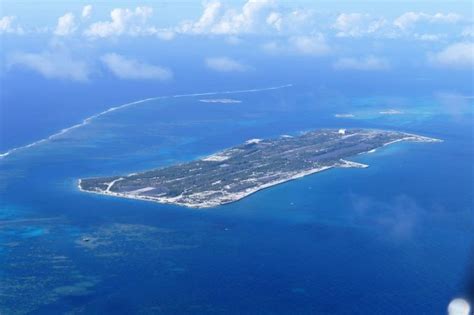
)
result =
(351, 164)
(213, 203)
(226, 197)
(253, 141)
(199, 199)
(216, 158)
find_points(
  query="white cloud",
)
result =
(126, 68)
(66, 25)
(251, 17)
(458, 55)
(428, 37)
(357, 24)
(233, 40)
(161, 33)
(211, 14)
(86, 11)
(57, 65)
(369, 63)
(272, 47)
(410, 19)
(311, 45)
(255, 16)
(225, 64)
(7, 25)
(275, 19)
(298, 21)
(468, 31)
(123, 21)
(315, 45)
(398, 218)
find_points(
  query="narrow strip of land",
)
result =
(239, 171)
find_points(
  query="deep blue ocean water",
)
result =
(395, 238)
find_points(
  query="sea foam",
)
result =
(112, 109)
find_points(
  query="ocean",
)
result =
(394, 238)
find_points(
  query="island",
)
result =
(237, 172)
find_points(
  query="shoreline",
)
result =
(229, 198)
(238, 196)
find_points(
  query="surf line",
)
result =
(112, 109)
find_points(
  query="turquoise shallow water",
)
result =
(394, 238)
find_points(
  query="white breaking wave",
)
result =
(112, 109)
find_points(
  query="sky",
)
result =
(357, 35)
